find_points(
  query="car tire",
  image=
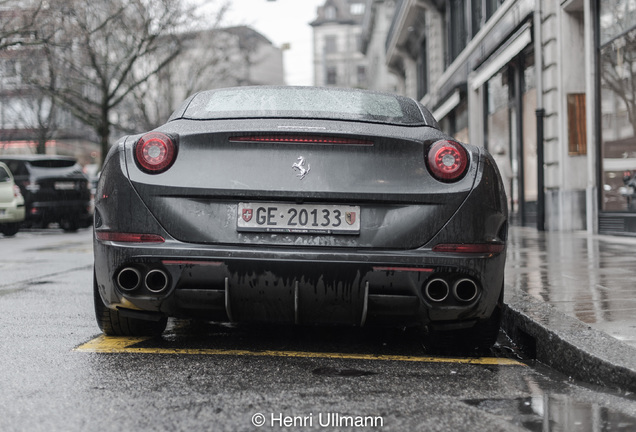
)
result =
(112, 323)
(478, 339)
(69, 225)
(10, 229)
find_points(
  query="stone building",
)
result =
(545, 85)
(338, 58)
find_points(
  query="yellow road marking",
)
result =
(111, 344)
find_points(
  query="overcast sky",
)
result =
(282, 21)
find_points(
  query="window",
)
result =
(332, 75)
(362, 76)
(304, 102)
(331, 44)
(4, 175)
(9, 68)
(618, 101)
(456, 28)
(330, 13)
(356, 8)
(491, 7)
(477, 16)
(422, 71)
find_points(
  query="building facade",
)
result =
(546, 86)
(337, 32)
(31, 123)
(375, 27)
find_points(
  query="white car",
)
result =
(11, 203)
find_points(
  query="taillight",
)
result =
(16, 191)
(128, 237)
(155, 152)
(447, 160)
(480, 248)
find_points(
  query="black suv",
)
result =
(54, 188)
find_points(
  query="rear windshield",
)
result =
(304, 102)
(52, 163)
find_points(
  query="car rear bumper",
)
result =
(297, 286)
(56, 211)
(11, 214)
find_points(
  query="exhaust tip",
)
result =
(436, 290)
(156, 281)
(465, 290)
(128, 279)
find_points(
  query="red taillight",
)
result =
(128, 237)
(302, 139)
(155, 152)
(447, 160)
(16, 191)
(482, 248)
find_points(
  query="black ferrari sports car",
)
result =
(301, 205)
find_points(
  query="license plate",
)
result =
(299, 218)
(64, 185)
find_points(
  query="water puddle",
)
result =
(556, 413)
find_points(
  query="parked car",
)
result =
(301, 205)
(11, 203)
(54, 188)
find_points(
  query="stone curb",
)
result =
(567, 344)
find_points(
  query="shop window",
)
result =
(617, 57)
(577, 135)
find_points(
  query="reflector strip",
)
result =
(488, 248)
(128, 237)
(192, 262)
(304, 139)
(407, 269)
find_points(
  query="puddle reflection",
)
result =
(587, 277)
(544, 412)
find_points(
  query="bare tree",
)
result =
(205, 59)
(17, 22)
(101, 51)
(210, 58)
(25, 109)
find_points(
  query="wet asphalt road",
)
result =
(57, 374)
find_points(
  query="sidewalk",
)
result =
(571, 296)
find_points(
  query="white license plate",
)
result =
(64, 185)
(299, 218)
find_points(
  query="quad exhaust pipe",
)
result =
(129, 279)
(437, 290)
(156, 280)
(464, 290)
